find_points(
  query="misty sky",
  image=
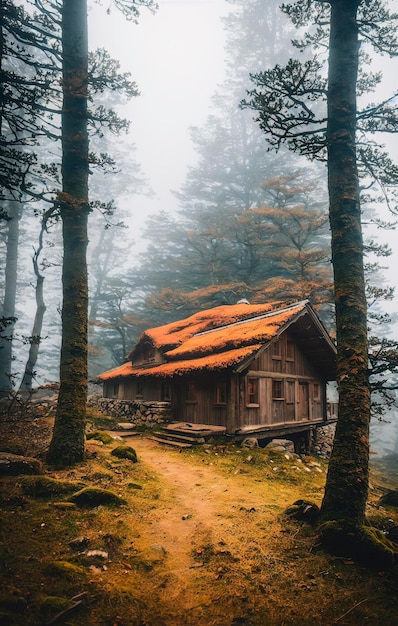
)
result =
(176, 57)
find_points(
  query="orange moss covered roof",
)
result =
(239, 334)
(174, 334)
(179, 368)
(117, 372)
(213, 339)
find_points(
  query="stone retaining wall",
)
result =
(322, 442)
(138, 413)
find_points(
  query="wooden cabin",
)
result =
(259, 368)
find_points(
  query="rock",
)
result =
(79, 544)
(390, 498)
(281, 445)
(97, 554)
(303, 510)
(250, 443)
(392, 534)
(15, 465)
(159, 550)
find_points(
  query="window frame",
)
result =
(252, 391)
(166, 392)
(191, 393)
(221, 393)
(290, 350)
(281, 390)
(139, 391)
(276, 350)
(290, 385)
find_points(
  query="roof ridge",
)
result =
(252, 319)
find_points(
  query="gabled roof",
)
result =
(175, 334)
(226, 337)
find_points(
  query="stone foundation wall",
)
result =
(322, 442)
(138, 413)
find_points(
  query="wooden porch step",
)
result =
(170, 442)
(186, 435)
(176, 436)
(195, 430)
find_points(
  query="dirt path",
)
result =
(208, 526)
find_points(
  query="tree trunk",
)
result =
(347, 480)
(10, 293)
(67, 445)
(35, 338)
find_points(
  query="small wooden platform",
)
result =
(186, 434)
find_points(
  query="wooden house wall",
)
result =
(222, 399)
(288, 388)
(197, 399)
(134, 389)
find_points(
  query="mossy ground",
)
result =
(202, 541)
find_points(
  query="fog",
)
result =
(176, 56)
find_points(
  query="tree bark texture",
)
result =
(347, 480)
(67, 445)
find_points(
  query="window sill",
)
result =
(252, 405)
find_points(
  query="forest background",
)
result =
(242, 222)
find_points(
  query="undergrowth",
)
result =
(200, 539)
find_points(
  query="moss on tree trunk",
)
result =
(347, 480)
(67, 444)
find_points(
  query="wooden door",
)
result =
(304, 402)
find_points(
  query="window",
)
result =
(191, 392)
(317, 391)
(277, 389)
(276, 364)
(276, 349)
(289, 350)
(290, 391)
(148, 353)
(115, 390)
(221, 393)
(166, 392)
(252, 391)
(139, 390)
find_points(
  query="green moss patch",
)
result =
(46, 487)
(66, 570)
(365, 544)
(53, 604)
(125, 452)
(100, 435)
(90, 497)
